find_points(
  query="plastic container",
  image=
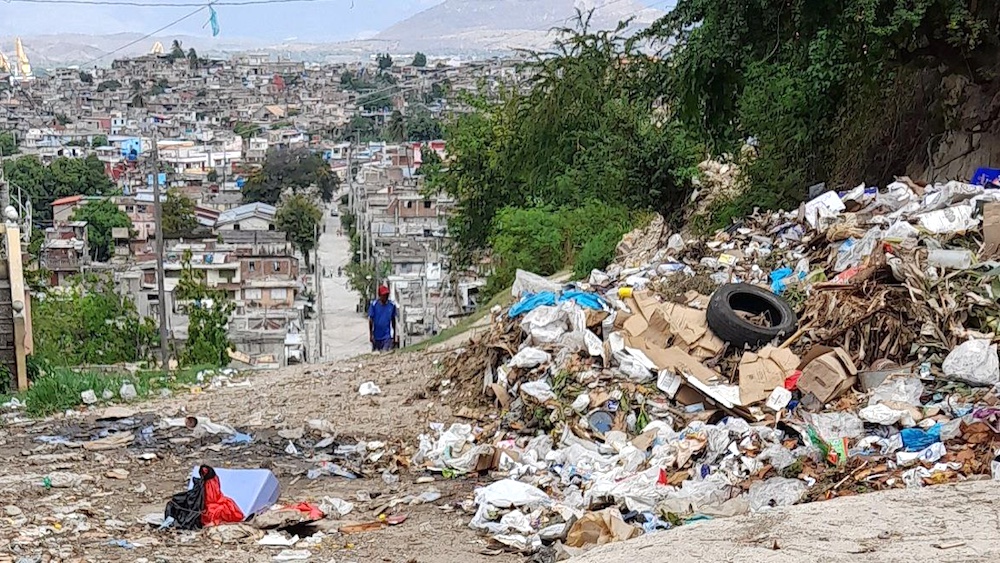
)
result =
(624, 292)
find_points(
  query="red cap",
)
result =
(383, 290)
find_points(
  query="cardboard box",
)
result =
(827, 373)
(991, 230)
(762, 372)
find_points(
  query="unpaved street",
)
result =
(345, 331)
(101, 496)
(88, 507)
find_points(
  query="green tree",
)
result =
(8, 144)
(86, 77)
(99, 141)
(419, 60)
(587, 130)
(384, 61)
(299, 218)
(64, 177)
(212, 176)
(246, 130)
(296, 169)
(101, 216)
(109, 85)
(834, 91)
(88, 322)
(178, 215)
(395, 130)
(192, 57)
(422, 126)
(176, 50)
(208, 318)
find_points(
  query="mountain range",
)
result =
(451, 28)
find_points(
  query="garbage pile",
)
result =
(846, 347)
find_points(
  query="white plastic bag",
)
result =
(776, 491)
(974, 362)
(884, 415)
(527, 282)
(539, 390)
(529, 358)
(508, 493)
(369, 388)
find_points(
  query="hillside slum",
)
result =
(844, 347)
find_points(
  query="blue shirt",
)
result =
(382, 316)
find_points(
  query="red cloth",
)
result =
(308, 508)
(219, 509)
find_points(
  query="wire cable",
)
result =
(149, 35)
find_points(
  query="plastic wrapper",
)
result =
(853, 252)
(776, 491)
(975, 362)
(836, 425)
(916, 439)
(899, 389)
(885, 415)
(929, 455)
(538, 390)
(529, 358)
(777, 455)
(955, 219)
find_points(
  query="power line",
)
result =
(161, 4)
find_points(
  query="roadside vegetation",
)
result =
(824, 91)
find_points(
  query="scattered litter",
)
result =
(369, 388)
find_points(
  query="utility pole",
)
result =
(158, 225)
(317, 273)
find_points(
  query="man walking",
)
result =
(382, 315)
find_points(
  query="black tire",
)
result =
(728, 325)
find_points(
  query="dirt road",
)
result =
(345, 331)
(77, 522)
(941, 523)
(95, 507)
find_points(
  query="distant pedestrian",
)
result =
(340, 271)
(382, 315)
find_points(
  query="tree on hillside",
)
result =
(90, 323)
(384, 61)
(246, 130)
(420, 59)
(8, 144)
(422, 126)
(99, 141)
(109, 85)
(176, 50)
(586, 131)
(178, 215)
(296, 169)
(208, 318)
(299, 217)
(395, 130)
(192, 57)
(64, 177)
(86, 77)
(101, 217)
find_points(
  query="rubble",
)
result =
(845, 347)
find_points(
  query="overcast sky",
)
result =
(324, 20)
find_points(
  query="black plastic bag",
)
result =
(186, 508)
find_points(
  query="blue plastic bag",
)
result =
(916, 439)
(583, 299)
(777, 279)
(532, 301)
